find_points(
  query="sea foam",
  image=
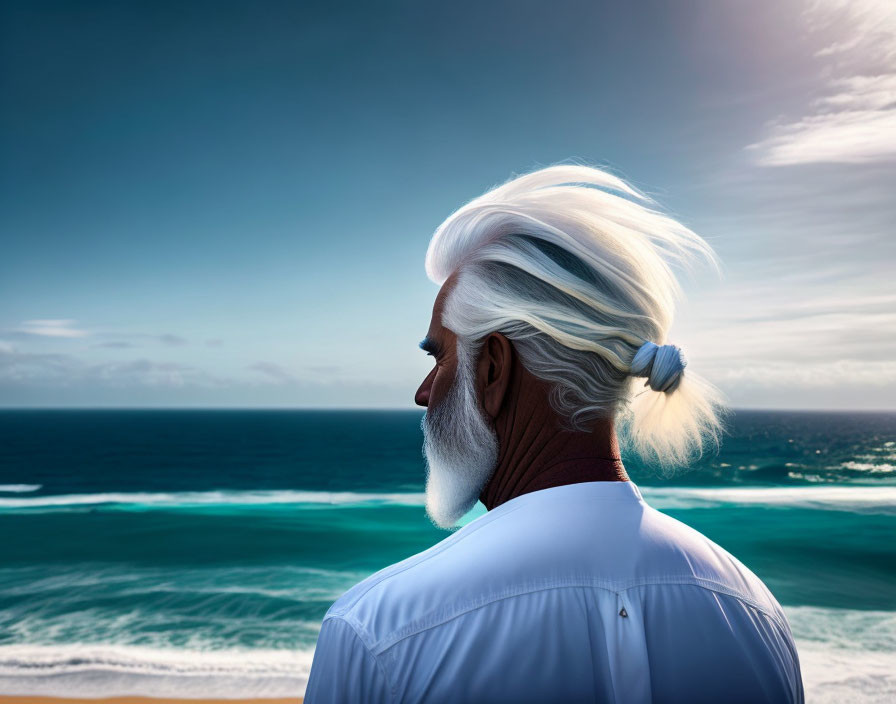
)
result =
(860, 499)
(846, 655)
(211, 498)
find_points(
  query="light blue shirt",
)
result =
(576, 593)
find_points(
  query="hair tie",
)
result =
(662, 365)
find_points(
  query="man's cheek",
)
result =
(441, 385)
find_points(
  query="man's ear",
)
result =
(493, 372)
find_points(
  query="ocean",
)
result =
(194, 553)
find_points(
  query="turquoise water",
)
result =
(195, 552)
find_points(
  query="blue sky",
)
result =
(228, 204)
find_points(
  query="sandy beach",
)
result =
(140, 700)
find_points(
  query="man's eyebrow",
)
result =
(429, 345)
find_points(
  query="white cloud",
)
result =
(52, 328)
(855, 120)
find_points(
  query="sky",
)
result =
(228, 204)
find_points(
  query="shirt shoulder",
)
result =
(571, 536)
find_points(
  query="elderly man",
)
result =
(557, 292)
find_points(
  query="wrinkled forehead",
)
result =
(438, 307)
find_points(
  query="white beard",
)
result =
(460, 448)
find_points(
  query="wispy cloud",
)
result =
(841, 373)
(786, 336)
(855, 120)
(52, 328)
(42, 379)
(145, 372)
(331, 370)
(846, 136)
(273, 371)
(115, 345)
(125, 340)
(32, 369)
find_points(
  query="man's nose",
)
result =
(421, 398)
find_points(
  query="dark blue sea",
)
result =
(194, 553)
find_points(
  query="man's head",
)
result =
(565, 273)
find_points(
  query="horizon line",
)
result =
(377, 408)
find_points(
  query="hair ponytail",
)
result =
(675, 427)
(672, 421)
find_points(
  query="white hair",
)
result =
(570, 264)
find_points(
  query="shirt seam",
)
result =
(415, 628)
(358, 629)
(587, 608)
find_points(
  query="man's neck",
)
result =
(537, 453)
